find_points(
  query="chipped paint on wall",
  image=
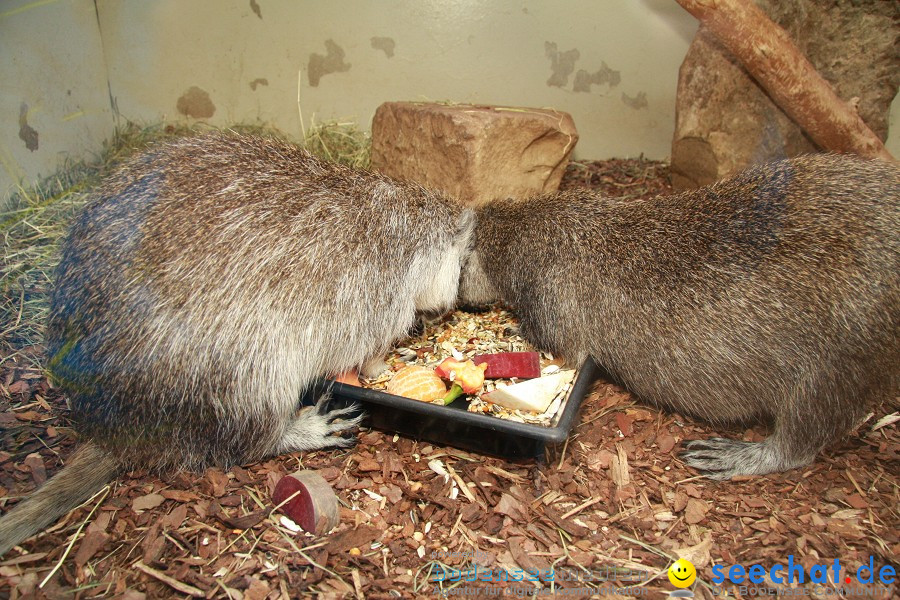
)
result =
(384, 44)
(638, 102)
(254, 6)
(257, 82)
(54, 93)
(196, 103)
(603, 76)
(488, 52)
(562, 64)
(332, 62)
(27, 133)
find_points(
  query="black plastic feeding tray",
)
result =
(453, 425)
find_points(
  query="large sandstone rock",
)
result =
(474, 153)
(726, 122)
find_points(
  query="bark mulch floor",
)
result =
(608, 511)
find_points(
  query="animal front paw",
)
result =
(316, 427)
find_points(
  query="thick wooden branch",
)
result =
(769, 55)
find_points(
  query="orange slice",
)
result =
(418, 383)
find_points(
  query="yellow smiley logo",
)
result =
(682, 573)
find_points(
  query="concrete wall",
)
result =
(54, 100)
(611, 63)
(227, 61)
(70, 67)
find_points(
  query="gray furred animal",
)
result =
(772, 295)
(203, 288)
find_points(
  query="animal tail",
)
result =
(88, 469)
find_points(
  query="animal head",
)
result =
(439, 290)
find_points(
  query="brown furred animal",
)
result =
(208, 283)
(771, 295)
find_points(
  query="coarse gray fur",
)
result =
(208, 283)
(773, 295)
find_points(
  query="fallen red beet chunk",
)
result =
(299, 508)
(314, 507)
(503, 365)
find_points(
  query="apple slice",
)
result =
(534, 394)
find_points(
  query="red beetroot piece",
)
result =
(314, 507)
(503, 365)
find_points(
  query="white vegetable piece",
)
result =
(534, 394)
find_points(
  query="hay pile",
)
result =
(341, 142)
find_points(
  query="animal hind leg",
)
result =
(816, 413)
(313, 428)
(788, 447)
